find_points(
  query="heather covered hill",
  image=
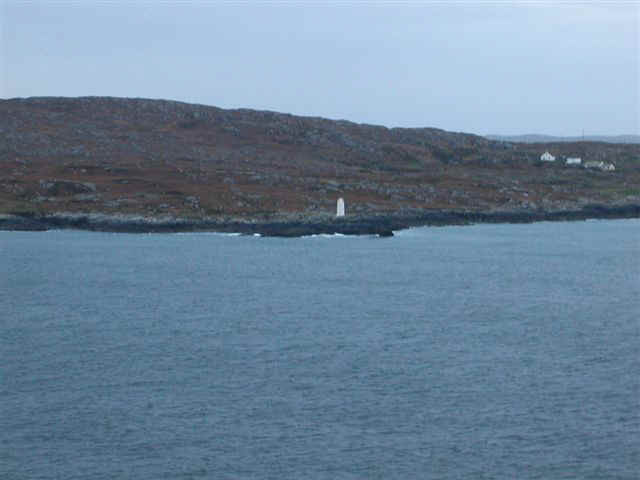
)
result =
(157, 157)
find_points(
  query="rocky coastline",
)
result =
(142, 165)
(294, 225)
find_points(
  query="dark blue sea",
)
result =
(479, 352)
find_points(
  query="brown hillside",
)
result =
(156, 157)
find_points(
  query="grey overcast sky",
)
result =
(480, 67)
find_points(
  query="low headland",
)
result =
(297, 226)
(136, 165)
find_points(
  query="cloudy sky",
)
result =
(481, 67)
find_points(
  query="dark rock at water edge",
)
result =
(381, 225)
(24, 223)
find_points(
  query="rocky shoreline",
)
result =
(297, 225)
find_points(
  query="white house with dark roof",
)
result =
(547, 157)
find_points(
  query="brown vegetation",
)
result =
(155, 157)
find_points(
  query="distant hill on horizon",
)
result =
(537, 138)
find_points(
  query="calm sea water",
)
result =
(490, 351)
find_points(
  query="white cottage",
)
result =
(600, 165)
(574, 160)
(547, 157)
